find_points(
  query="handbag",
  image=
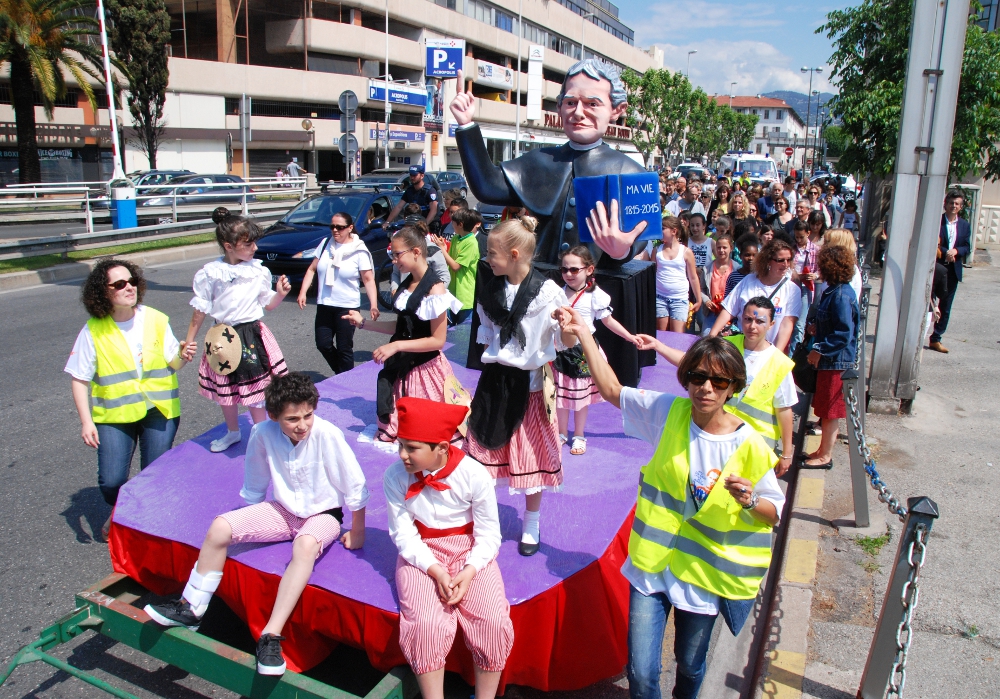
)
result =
(803, 373)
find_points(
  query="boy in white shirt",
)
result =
(314, 473)
(443, 518)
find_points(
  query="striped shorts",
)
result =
(427, 625)
(269, 522)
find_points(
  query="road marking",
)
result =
(800, 561)
(810, 494)
(785, 674)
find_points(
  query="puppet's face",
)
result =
(586, 109)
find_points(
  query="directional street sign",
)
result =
(444, 57)
(347, 144)
(789, 151)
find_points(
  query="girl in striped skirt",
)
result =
(512, 426)
(443, 518)
(236, 290)
(575, 389)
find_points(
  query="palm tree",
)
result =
(40, 39)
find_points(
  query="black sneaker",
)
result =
(269, 659)
(174, 613)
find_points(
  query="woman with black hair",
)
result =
(342, 263)
(126, 356)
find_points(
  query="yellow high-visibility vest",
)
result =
(119, 395)
(722, 548)
(755, 405)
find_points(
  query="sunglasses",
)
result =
(396, 255)
(120, 284)
(571, 270)
(335, 227)
(720, 383)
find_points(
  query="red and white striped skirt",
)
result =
(532, 460)
(226, 391)
(424, 381)
(427, 625)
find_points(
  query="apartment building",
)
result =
(778, 127)
(294, 59)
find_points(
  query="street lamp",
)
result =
(583, 32)
(806, 69)
(732, 88)
(387, 108)
(689, 62)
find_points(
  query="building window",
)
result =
(780, 114)
(758, 149)
(767, 113)
(479, 10)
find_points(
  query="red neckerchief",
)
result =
(435, 479)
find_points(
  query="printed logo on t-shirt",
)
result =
(703, 483)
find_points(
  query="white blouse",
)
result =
(232, 294)
(432, 305)
(471, 497)
(593, 305)
(542, 338)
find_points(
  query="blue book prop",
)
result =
(638, 196)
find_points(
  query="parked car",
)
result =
(288, 246)
(447, 180)
(146, 178)
(491, 214)
(197, 191)
(760, 169)
(694, 170)
(400, 178)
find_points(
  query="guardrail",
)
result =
(72, 201)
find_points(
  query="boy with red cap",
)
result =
(443, 518)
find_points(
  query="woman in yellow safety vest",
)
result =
(127, 356)
(766, 401)
(698, 548)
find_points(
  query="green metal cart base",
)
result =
(107, 609)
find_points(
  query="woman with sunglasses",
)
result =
(781, 217)
(126, 356)
(343, 263)
(675, 558)
(770, 279)
(413, 364)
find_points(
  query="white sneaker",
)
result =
(224, 443)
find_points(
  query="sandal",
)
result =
(579, 446)
(563, 439)
(825, 466)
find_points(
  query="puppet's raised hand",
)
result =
(606, 234)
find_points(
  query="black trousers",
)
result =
(335, 337)
(944, 303)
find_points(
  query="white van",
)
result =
(761, 169)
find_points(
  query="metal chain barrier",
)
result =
(909, 598)
(884, 494)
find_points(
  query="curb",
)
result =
(787, 647)
(75, 271)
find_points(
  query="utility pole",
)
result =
(805, 69)
(583, 33)
(688, 74)
(927, 123)
(517, 86)
(119, 172)
(387, 108)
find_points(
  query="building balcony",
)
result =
(344, 40)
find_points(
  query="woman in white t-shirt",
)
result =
(126, 355)
(676, 275)
(342, 264)
(680, 512)
(770, 279)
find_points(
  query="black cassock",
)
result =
(541, 180)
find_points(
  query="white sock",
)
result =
(223, 443)
(529, 534)
(200, 588)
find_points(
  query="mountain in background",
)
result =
(800, 100)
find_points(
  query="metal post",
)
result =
(937, 44)
(888, 652)
(386, 163)
(859, 478)
(109, 85)
(517, 89)
(246, 211)
(173, 202)
(89, 214)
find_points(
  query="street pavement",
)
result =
(946, 450)
(20, 231)
(52, 508)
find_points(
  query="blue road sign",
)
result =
(444, 57)
(397, 94)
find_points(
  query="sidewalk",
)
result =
(832, 586)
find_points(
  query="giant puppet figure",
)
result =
(541, 180)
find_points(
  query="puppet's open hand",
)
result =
(606, 233)
(460, 584)
(443, 581)
(464, 104)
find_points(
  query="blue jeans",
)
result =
(647, 619)
(155, 435)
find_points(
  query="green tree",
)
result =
(836, 139)
(139, 35)
(871, 45)
(38, 39)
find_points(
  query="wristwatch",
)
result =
(754, 501)
(361, 327)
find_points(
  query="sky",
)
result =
(761, 46)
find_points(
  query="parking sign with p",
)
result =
(444, 57)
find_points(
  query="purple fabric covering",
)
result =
(177, 497)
